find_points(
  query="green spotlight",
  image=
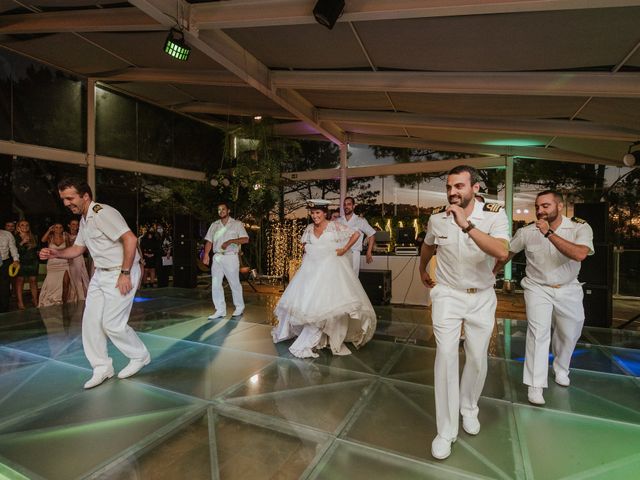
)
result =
(175, 46)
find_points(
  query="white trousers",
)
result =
(454, 396)
(106, 314)
(355, 261)
(225, 266)
(547, 307)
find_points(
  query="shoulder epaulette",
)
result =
(97, 208)
(438, 209)
(492, 207)
(578, 220)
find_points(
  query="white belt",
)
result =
(226, 253)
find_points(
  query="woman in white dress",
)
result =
(325, 304)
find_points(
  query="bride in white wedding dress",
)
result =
(325, 304)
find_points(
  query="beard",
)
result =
(549, 217)
(459, 200)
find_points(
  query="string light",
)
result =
(283, 246)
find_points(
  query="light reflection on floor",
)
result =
(220, 400)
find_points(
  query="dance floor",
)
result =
(220, 400)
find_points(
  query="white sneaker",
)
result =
(98, 378)
(471, 425)
(216, 314)
(535, 395)
(441, 448)
(134, 367)
(562, 379)
(238, 312)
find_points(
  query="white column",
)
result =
(344, 148)
(508, 206)
(91, 135)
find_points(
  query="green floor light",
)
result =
(175, 46)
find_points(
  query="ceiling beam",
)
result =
(98, 20)
(218, 78)
(395, 169)
(221, 48)
(541, 153)
(265, 13)
(560, 128)
(224, 109)
(581, 84)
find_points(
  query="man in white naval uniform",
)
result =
(358, 224)
(113, 248)
(554, 246)
(224, 237)
(469, 236)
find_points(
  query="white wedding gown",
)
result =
(325, 304)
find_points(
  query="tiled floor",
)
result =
(220, 400)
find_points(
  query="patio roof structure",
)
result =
(557, 80)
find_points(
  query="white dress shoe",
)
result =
(535, 395)
(471, 425)
(98, 378)
(134, 367)
(216, 314)
(441, 448)
(238, 312)
(562, 379)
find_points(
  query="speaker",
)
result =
(327, 12)
(597, 269)
(598, 306)
(185, 227)
(377, 285)
(184, 251)
(185, 276)
(597, 216)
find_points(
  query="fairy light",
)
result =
(283, 246)
(416, 226)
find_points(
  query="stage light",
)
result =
(327, 12)
(175, 46)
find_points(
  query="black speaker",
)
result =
(598, 306)
(597, 216)
(377, 285)
(185, 227)
(185, 276)
(327, 12)
(597, 269)
(184, 251)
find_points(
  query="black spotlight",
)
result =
(328, 11)
(175, 46)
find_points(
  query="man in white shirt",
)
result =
(224, 237)
(113, 248)
(470, 236)
(358, 224)
(8, 256)
(554, 246)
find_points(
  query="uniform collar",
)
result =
(476, 214)
(566, 223)
(90, 212)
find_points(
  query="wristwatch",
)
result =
(549, 232)
(125, 272)
(468, 228)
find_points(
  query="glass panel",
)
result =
(49, 106)
(629, 273)
(6, 87)
(116, 130)
(155, 137)
(197, 146)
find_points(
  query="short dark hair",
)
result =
(474, 176)
(349, 198)
(557, 195)
(80, 185)
(225, 203)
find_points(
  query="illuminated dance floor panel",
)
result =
(220, 400)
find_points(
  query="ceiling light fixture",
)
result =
(175, 46)
(630, 159)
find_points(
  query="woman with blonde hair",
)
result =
(55, 289)
(28, 250)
